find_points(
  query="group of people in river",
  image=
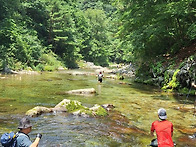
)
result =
(162, 127)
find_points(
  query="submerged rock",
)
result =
(192, 136)
(112, 76)
(87, 91)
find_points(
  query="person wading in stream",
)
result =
(23, 139)
(100, 77)
(164, 129)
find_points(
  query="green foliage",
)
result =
(73, 30)
(74, 106)
(166, 77)
(48, 62)
(156, 27)
(19, 44)
(37, 17)
(156, 67)
(187, 91)
(98, 46)
(93, 30)
(173, 83)
(101, 112)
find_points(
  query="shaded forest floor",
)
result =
(185, 52)
(182, 54)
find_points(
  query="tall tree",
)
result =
(19, 45)
(99, 36)
(62, 33)
(157, 27)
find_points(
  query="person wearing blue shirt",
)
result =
(23, 140)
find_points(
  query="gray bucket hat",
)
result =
(162, 113)
(24, 123)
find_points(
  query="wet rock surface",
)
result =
(71, 106)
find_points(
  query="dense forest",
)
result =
(46, 34)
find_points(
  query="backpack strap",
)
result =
(21, 134)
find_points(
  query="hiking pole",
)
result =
(194, 108)
(187, 97)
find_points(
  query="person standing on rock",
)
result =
(23, 139)
(100, 77)
(164, 129)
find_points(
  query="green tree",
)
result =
(99, 36)
(19, 43)
(62, 31)
(157, 27)
(37, 17)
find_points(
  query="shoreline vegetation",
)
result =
(120, 71)
(158, 49)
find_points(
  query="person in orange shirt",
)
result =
(164, 129)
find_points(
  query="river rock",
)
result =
(112, 76)
(108, 107)
(28, 72)
(38, 111)
(72, 106)
(80, 113)
(98, 110)
(78, 73)
(62, 106)
(88, 91)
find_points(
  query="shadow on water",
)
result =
(136, 108)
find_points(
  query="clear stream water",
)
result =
(136, 108)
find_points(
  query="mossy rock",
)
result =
(98, 110)
(70, 106)
(75, 107)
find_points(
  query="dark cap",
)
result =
(24, 123)
(162, 113)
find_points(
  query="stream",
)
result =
(128, 125)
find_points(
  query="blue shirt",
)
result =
(23, 140)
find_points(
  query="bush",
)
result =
(48, 62)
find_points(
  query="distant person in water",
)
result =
(100, 77)
(164, 129)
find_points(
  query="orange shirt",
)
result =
(164, 130)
